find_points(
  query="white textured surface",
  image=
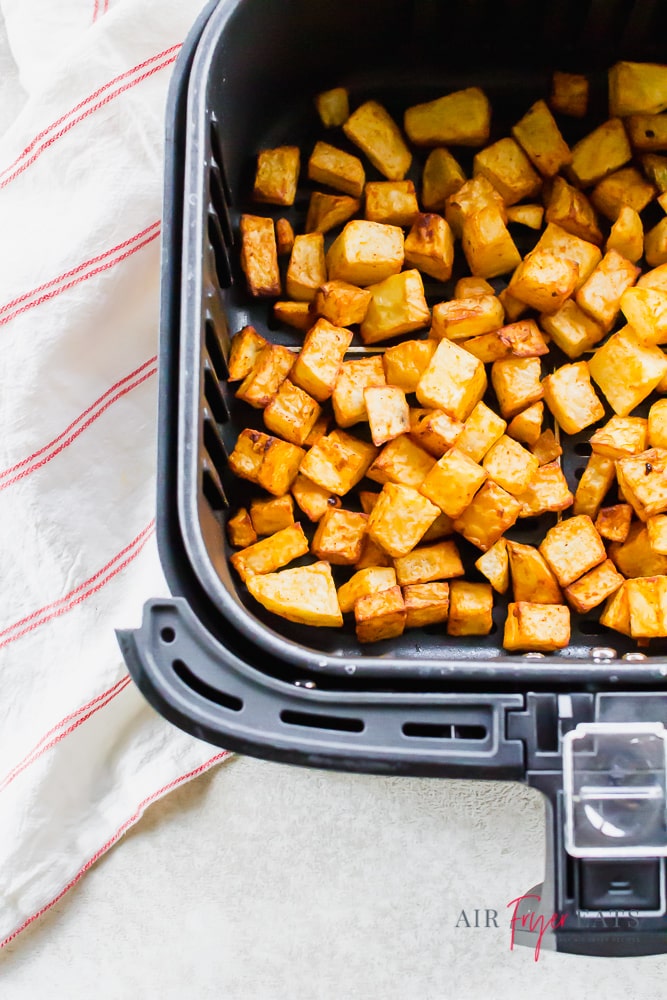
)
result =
(262, 882)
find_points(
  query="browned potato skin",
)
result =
(539, 628)
(572, 548)
(594, 587)
(400, 518)
(494, 565)
(270, 516)
(427, 563)
(277, 175)
(259, 256)
(271, 553)
(339, 537)
(380, 616)
(240, 530)
(532, 579)
(271, 463)
(613, 523)
(426, 604)
(306, 595)
(245, 348)
(470, 608)
(371, 580)
(569, 94)
(547, 492)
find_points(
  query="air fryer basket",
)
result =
(427, 704)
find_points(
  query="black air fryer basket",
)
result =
(585, 727)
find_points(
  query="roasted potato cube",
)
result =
(388, 413)
(442, 527)
(532, 580)
(510, 465)
(319, 363)
(572, 548)
(429, 562)
(613, 523)
(508, 168)
(470, 608)
(292, 413)
(544, 281)
(453, 482)
(647, 604)
(522, 340)
(326, 211)
(342, 304)
(270, 370)
(400, 518)
(337, 169)
(480, 431)
(655, 244)
(546, 449)
(462, 118)
(635, 556)
(442, 177)
(571, 398)
(458, 319)
(594, 485)
(245, 349)
(426, 604)
(372, 556)
(269, 516)
(560, 243)
(375, 132)
(436, 432)
(527, 425)
(595, 587)
(370, 580)
(530, 216)
(265, 460)
(305, 595)
(240, 531)
(277, 175)
(401, 461)
(572, 329)
(636, 88)
(657, 533)
(657, 424)
(570, 209)
(655, 168)
(339, 537)
(338, 462)
(391, 202)
(295, 314)
(488, 245)
(397, 306)
(312, 499)
(536, 628)
(517, 384)
(540, 138)
(627, 187)
(348, 401)
(646, 311)
(616, 613)
(454, 381)
(318, 431)
(259, 256)
(307, 268)
(333, 106)
(473, 197)
(271, 553)
(569, 94)
(284, 236)
(643, 479)
(600, 153)
(429, 246)
(548, 491)
(620, 437)
(601, 295)
(405, 363)
(472, 288)
(368, 499)
(380, 616)
(365, 253)
(490, 514)
(495, 566)
(626, 370)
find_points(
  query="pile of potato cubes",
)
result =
(451, 424)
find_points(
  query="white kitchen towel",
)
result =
(81, 752)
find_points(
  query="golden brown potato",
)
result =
(442, 527)
(338, 462)
(527, 426)
(271, 553)
(307, 268)
(259, 256)
(312, 499)
(295, 314)
(388, 413)
(544, 280)
(337, 169)
(539, 136)
(380, 616)
(490, 514)
(480, 431)
(392, 202)
(546, 449)
(472, 288)
(365, 253)
(326, 211)
(319, 430)
(267, 461)
(557, 241)
(405, 363)
(510, 465)
(488, 245)
(272, 366)
(620, 437)
(348, 401)
(400, 518)
(532, 580)
(458, 319)
(508, 168)
(657, 424)
(655, 168)
(269, 516)
(372, 556)
(571, 398)
(521, 340)
(454, 381)
(635, 557)
(453, 482)
(472, 198)
(292, 413)
(517, 384)
(333, 106)
(306, 595)
(570, 209)
(626, 187)
(657, 533)
(655, 244)
(594, 587)
(548, 491)
(572, 548)
(470, 608)
(594, 485)
(244, 352)
(494, 565)
(426, 604)
(569, 94)
(339, 537)
(636, 88)
(277, 175)
(284, 237)
(341, 303)
(375, 132)
(530, 216)
(370, 580)
(442, 177)
(626, 370)
(397, 306)
(429, 562)
(462, 118)
(616, 613)
(319, 363)
(646, 311)
(240, 531)
(429, 246)
(436, 432)
(647, 604)
(613, 523)
(627, 235)
(598, 154)
(643, 480)
(572, 329)
(401, 461)
(538, 628)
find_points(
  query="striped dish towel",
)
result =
(81, 753)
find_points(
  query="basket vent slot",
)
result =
(219, 251)
(214, 444)
(196, 684)
(219, 204)
(212, 487)
(216, 155)
(313, 721)
(443, 731)
(215, 350)
(214, 397)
